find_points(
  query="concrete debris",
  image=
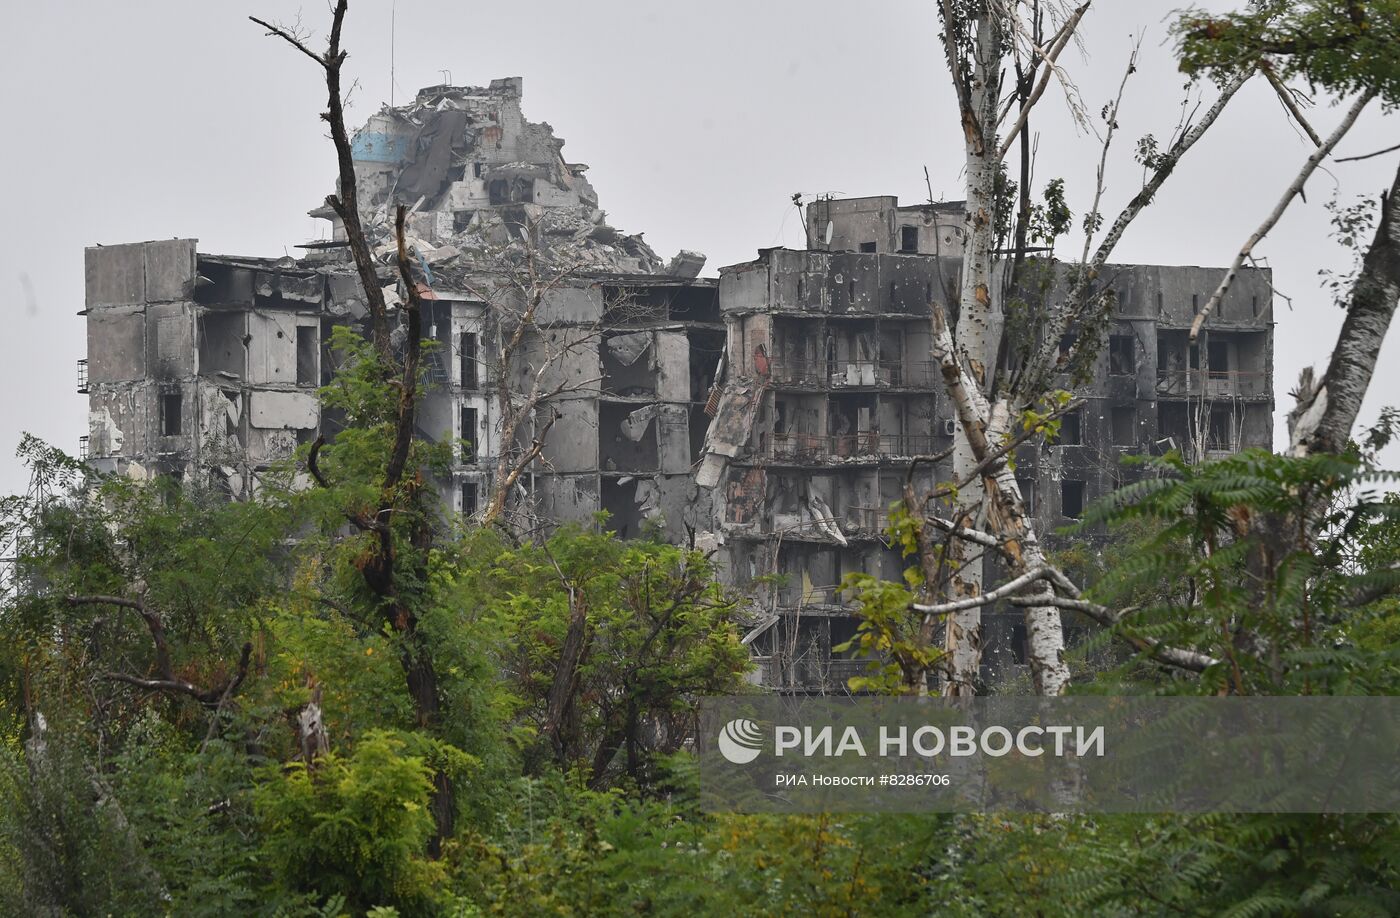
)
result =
(635, 425)
(824, 520)
(730, 430)
(686, 264)
(648, 497)
(627, 348)
(485, 184)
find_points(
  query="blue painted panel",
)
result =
(376, 147)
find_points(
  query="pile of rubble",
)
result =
(485, 189)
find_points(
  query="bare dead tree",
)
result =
(530, 354)
(346, 203)
(402, 491)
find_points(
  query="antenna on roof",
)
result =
(393, 23)
(447, 77)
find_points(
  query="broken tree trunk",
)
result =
(1326, 413)
(311, 731)
(559, 702)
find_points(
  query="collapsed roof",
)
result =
(484, 185)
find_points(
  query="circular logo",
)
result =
(741, 741)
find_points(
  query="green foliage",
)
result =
(356, 826)
(890, 635)
(65, 846)
(1162, 865)
(1044, 418)
(659, 632)
(1223, 567)
(577, 852)
(1342, 46)
(1351, 227)
(1052, 219)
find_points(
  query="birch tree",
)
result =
(978, 37)
(1346, 47)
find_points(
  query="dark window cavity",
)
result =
(1124, 419)
(1072, 499)
(469, 434)
(170, 410)
(1069, 429)
(1122, 355)
(468, 358)
(307, 345)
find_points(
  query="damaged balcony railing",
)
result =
(855, 373)
(814, 597)
(83, 377)
(1220, 383)
(827, 677)
(837, 447)
(839, 673)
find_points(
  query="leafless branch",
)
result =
(1286, 98)
(1352, 159)
(1057, 44)
(1192, 660)
(1293, 190)
(165, 670)
(1094, 215)
(290, 38)
(1045, 359)
(1009, 588)
(962, 532)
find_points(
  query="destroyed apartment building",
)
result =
(207, 365)
(769, 415)
(831, 390)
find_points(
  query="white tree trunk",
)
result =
(978, 337)
(1006, 508)
(1326, 413)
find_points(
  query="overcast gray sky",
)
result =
(163, 118)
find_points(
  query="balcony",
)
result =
(812, 448)
(856, 374)
(807, 676)
(1213, 383)
(812, 597)
(82, 377)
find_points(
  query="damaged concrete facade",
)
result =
(769, 415)
(205, 366)
(199, 363)
(829, 391)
